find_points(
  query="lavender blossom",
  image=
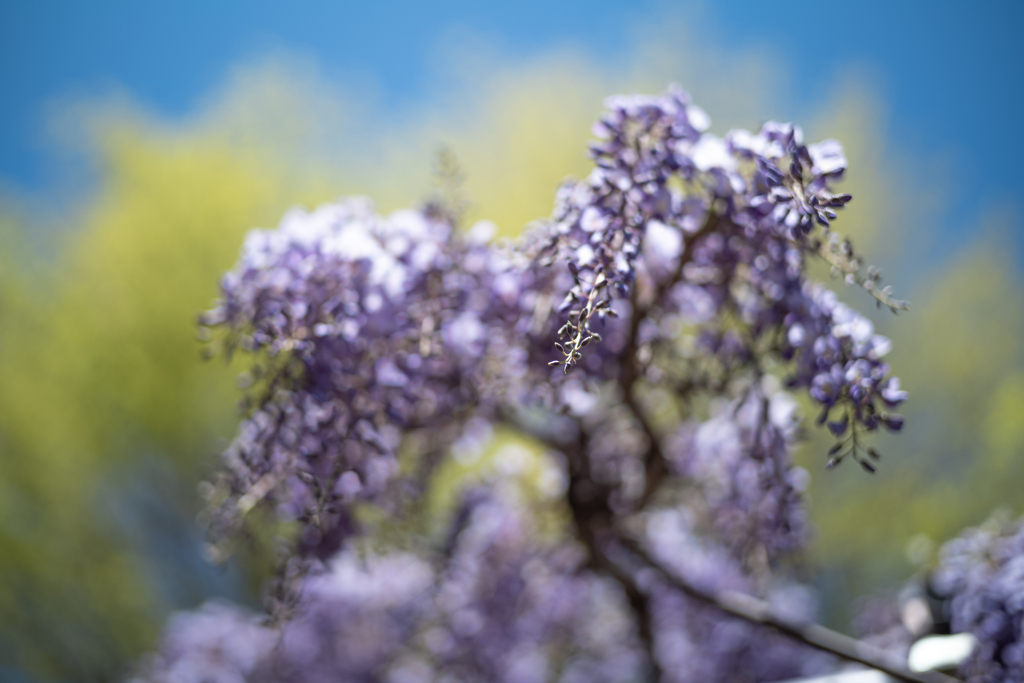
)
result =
(982, 572)
(218, 643)
(505, 607)
(741, 458)
(363, 323)
(683, 223)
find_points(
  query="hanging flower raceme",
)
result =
(364, 330)
(742, 459)
(718, 232)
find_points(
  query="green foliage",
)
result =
(100, 366)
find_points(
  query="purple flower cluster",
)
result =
(673, 282)
(364, 322)
(503, 606)
(834, 336)
(982, 572)
(598, 225)
(507, 608)
(217, 643)
(720, 226)
(741, 459)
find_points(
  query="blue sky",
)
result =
(949, 73)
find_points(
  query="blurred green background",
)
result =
(109, 418)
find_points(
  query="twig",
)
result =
(757, 611)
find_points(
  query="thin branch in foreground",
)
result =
(757, 611)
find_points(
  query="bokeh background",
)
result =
(138, 143)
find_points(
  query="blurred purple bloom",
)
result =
(982, 571)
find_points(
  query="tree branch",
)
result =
(757, 611)
(594, 519)
(588, 503)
